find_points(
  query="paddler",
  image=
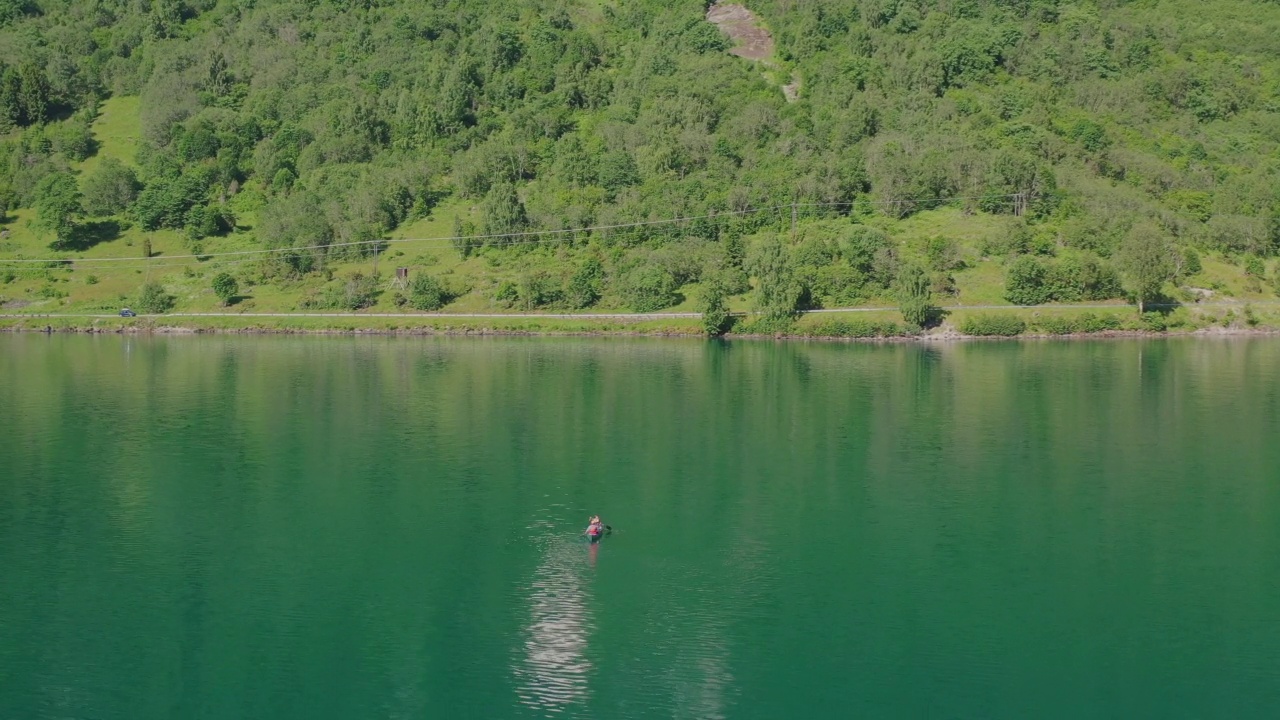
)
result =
(595, 530)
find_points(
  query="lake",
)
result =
(272, 527)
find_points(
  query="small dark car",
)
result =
(128, 313)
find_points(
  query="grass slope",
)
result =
(420, 246)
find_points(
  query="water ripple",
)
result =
(553, 672)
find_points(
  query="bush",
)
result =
(993, 325)
(649, 288)
(587, 283)
(1154, 321)
(358, 292)
(507, 293)
(1074, 279)
(1032, 281)
(767, 325)
(1191, 262)
(538, 288)
(1025, 282)
(153, 300)
(73, 139)
(1250, 318)
(225, 287)
(856, 329)
(942, 254)
(109, 189)
(1092, 323)
(1056, 325)
(426, 293)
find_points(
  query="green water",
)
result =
(386, 528)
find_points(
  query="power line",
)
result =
(538, 236)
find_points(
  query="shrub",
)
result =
(1154, 321)
(587, 283)
(1025, 282)
(1057, 325)
(507, 293)
(768, 325)
(538, 288)
(110, 188)
(993, 325)
(50, 292)
(1191, 262)
(1032, 281)
(426, 293)
(91, 280)
(856, 329)
(1082, 278)
(358, 292)
(225, 287)
(153, 300)
(648, 288)
(942, 254)
(1092, 323)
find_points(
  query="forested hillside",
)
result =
(581, 154)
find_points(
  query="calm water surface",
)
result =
(387, 528)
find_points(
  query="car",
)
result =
(128, 313)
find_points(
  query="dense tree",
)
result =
(1145, 259)
(11, 112)
(648, 288)
(915, 298)
(715, 312)
(1025, 282)
(777, 289)
(587, 284)
(33, 94)
(504, 214)
(58, 206)
(349, 119)
(110, 188)
(166, 200)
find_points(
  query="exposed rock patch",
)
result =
(750, 40)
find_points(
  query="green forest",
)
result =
(584, 155)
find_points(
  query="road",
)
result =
(602, 316)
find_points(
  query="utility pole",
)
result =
(793, 222)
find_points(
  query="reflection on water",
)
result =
(703, 677)
(552, 675)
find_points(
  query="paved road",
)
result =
(589, 316)
(604, 316)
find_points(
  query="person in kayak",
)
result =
(595, 530)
